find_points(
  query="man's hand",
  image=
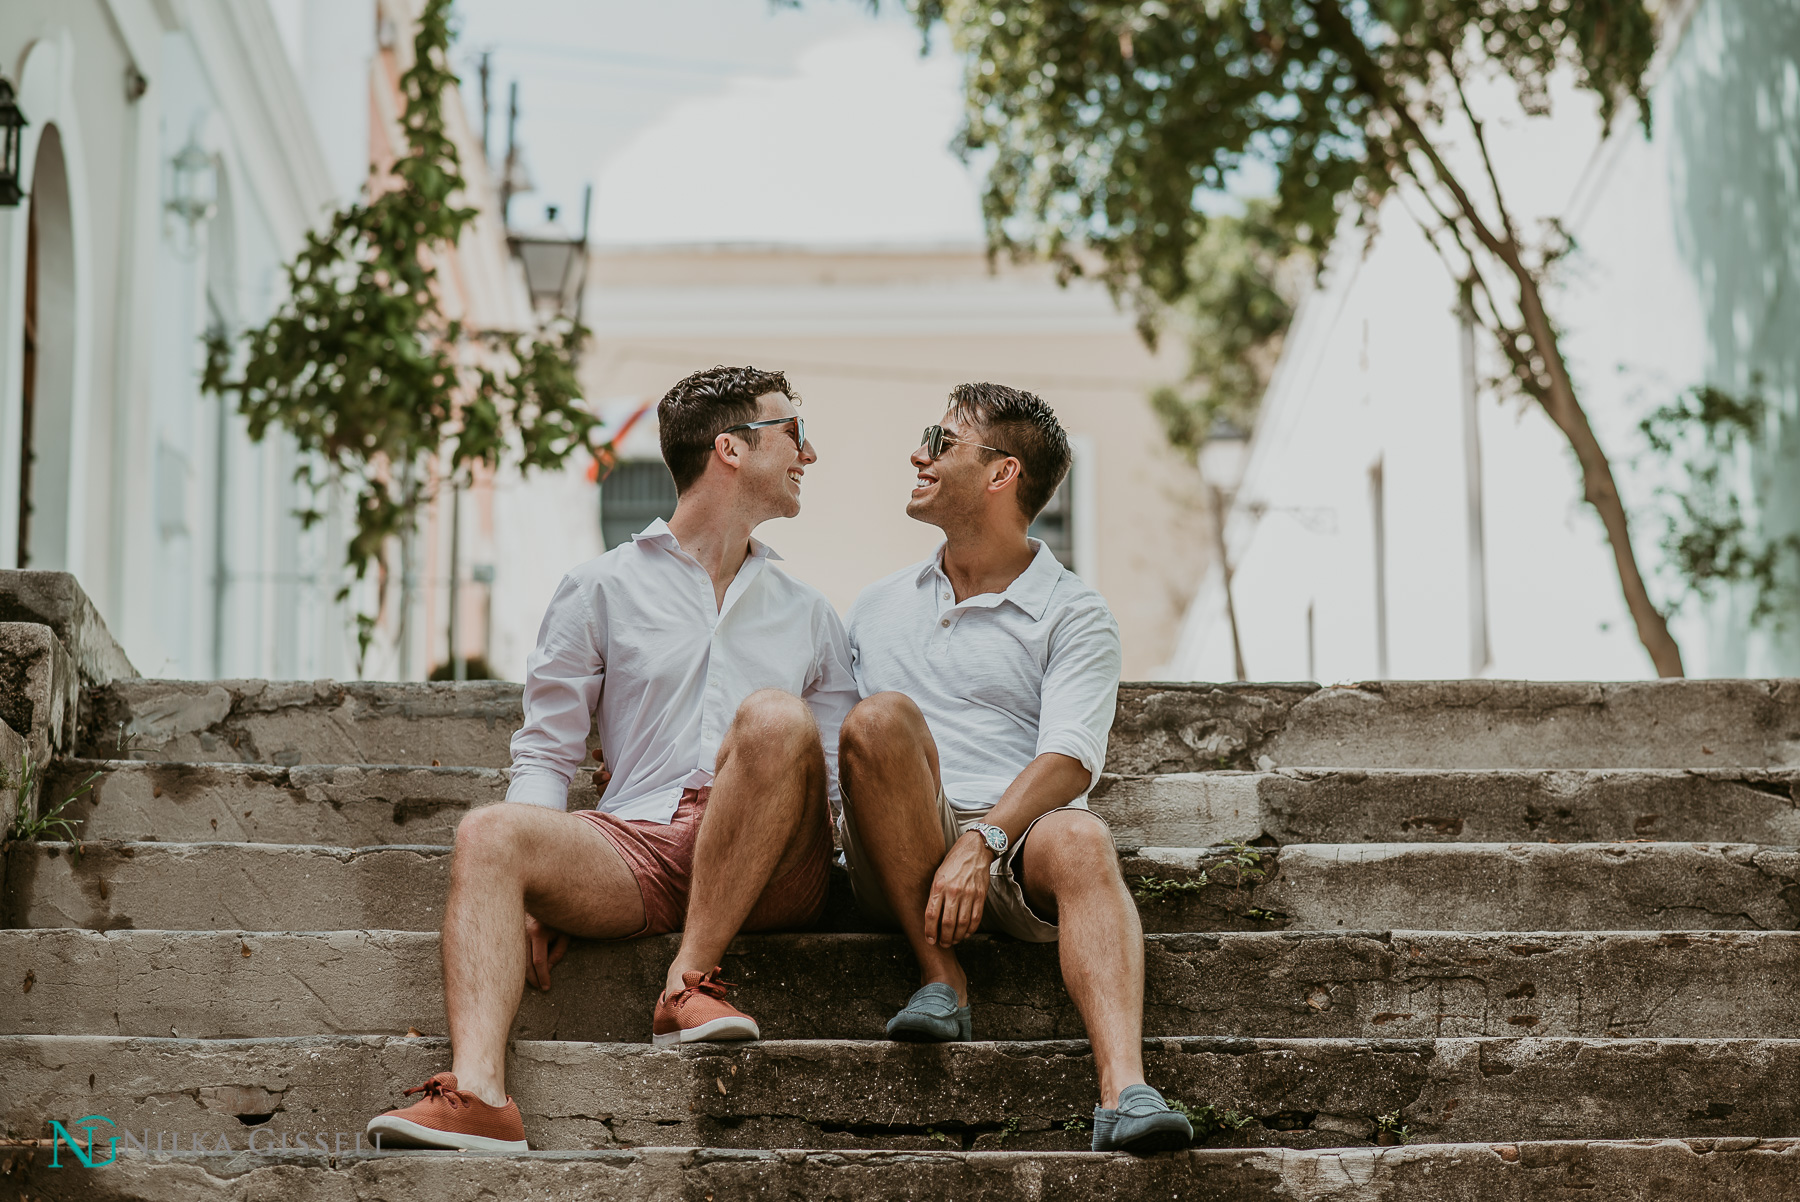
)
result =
(547, 947)
(958, 892)
(602, 773)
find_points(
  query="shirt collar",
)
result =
(1030, 589)
(659, 532)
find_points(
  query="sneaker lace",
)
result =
(435, 1088)
(711, 984)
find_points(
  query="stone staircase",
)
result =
(1468, 941)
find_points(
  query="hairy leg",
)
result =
(768, 798)
(890, 770)
(511, 860)
(1072, 872)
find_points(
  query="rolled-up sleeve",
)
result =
(831, 692)
(563, 678)
(1081, 689)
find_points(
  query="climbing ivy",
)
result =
(364, 370)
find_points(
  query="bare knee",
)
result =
(490, 834)
(1072, 849)
(880, 723)
(773, 719)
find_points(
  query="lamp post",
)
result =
(1221, 462)
(12, 120)
(193, 190)
(555, 260)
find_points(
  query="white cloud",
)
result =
(853, 149)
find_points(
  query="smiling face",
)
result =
(952, 489)
(769, 472)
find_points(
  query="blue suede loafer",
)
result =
(1142, 1123)
(932, 1016)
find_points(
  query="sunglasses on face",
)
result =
(937, 440)
(799, 431)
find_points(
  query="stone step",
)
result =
(1301, 887)
(979, 1096)
(1458, 724)
(1160, 728)
(301, 722)
(350, 805)
(1664, 1170)
(1719, 1170)
(1356, 984)
(56, 600)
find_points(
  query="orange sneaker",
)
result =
(448, 1117)
(700, 1012)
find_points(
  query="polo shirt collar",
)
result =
(659, 532)
(1030, 590)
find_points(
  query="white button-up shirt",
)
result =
(1001, 678)
(635, 642)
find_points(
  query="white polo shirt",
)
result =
(1001, 678)
(635, 643)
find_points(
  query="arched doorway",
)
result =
(49, 363)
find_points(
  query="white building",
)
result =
(176, 156)
(1353, 534)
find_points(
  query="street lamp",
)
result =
(1221, 461)
(193, 189)
(555, 260)
(11, 122)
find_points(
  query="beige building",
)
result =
(874, 339)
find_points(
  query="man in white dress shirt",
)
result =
(990, 675)
(717, 683)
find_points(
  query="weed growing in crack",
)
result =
(1389, 1130)
(934, 1133)
(1208, 1118)
(24, 826)
(1157, 888)
(1010, 1129)
(1075, 1122)
(1248, 861)
(1261, 915)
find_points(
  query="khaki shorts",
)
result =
(1005, 911)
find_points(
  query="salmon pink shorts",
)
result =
(661, 857)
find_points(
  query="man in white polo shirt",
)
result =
(717, 683)
(990, 675)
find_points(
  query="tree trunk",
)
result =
(1596, 472)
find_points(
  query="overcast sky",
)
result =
(704, 120)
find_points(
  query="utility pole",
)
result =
(1480, 651)
(512, 154)
(1237, 647)
(487, 112)
(459, 667)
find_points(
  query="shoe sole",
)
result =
(719, 1030)
(925, 1029)
(1169, 1138)
(404, 1133)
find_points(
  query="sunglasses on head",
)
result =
(799, 427)
(937, 440)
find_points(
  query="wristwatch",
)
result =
(994, 837)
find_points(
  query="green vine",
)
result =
(364, 370)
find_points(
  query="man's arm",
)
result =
(831, 691)
(562, 686)
(1075, 715)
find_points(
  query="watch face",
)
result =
(996, 838)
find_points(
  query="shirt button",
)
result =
(945, 622)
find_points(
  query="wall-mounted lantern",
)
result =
(12, 121)
(193, 193)
(554, 259)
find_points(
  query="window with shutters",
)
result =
(637, 493)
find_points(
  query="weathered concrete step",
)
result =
(301, 722)
(1356, 984)
(1303, 887)
(1720, 1170)
(353, 805)
(1458, 724)
(776, 1093)
(1160, 727)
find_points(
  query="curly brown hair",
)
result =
(700, 407)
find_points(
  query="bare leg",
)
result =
(890, 769)
(512, 858)
(768, 798)
(1072, 872)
